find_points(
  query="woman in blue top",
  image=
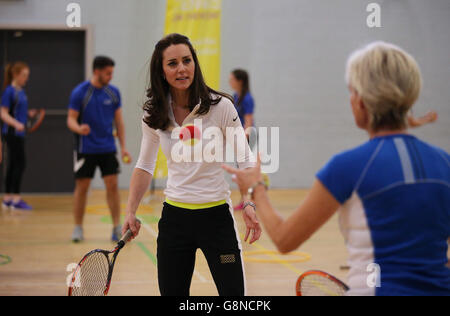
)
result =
(243, 101)
(14, 113)
(392, 192)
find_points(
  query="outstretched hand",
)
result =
(245, 179)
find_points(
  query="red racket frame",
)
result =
(320, 273)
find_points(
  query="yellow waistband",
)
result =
(190, 206)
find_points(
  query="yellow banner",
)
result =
(200, 21)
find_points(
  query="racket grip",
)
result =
(127, 236)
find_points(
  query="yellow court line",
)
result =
(291, 267)
(276, 258)
(302, 256)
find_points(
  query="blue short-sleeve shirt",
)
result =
(97, 108)
(17, 103)
(395, 197)
(246, 107)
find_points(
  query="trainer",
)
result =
(94, 107)
(392, 192)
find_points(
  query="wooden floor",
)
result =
(42, 255)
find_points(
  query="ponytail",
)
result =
(8, 76)
(12, 69)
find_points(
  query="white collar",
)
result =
(191, 116)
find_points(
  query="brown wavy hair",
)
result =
(12, 69)
(156, 108)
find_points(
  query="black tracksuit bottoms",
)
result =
(16, 163)
(182, 232)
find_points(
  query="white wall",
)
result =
(295, 51)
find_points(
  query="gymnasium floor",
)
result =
(39, 246)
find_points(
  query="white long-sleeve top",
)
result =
(199, 179)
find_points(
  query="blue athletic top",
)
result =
(97, 108)
(395, 196)
(17, 102)
(246, 107)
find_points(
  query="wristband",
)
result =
(249, 203)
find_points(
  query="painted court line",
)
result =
(276, 258)
(152, 232)
(148, 253)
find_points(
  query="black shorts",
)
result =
(86, 164)
(182, 232)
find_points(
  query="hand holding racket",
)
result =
(131, 223)
(319, 283)
(93, 275)
(35, 119)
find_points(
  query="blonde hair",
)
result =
(11, 70)
(388, 80)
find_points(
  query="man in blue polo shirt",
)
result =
(94, 107)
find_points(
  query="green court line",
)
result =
(148, 219)
(149, 254)
(6, 258)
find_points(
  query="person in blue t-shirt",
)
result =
(243, 101)
(392, 192)
(14, 114)
(95, 106)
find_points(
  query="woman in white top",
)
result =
(197, 212)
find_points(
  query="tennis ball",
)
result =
(126, 159)
(190, 135)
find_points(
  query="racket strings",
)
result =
(92, 276)
(317, 285)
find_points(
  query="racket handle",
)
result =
(127, 236)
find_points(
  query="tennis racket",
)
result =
(93, 275)
(319, 283)
(35, 119)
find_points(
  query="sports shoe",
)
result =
(116, 233)
(77, 235)
(6, 205)
(21, 206)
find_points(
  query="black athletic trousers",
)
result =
(16, 163)
(181, 233)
